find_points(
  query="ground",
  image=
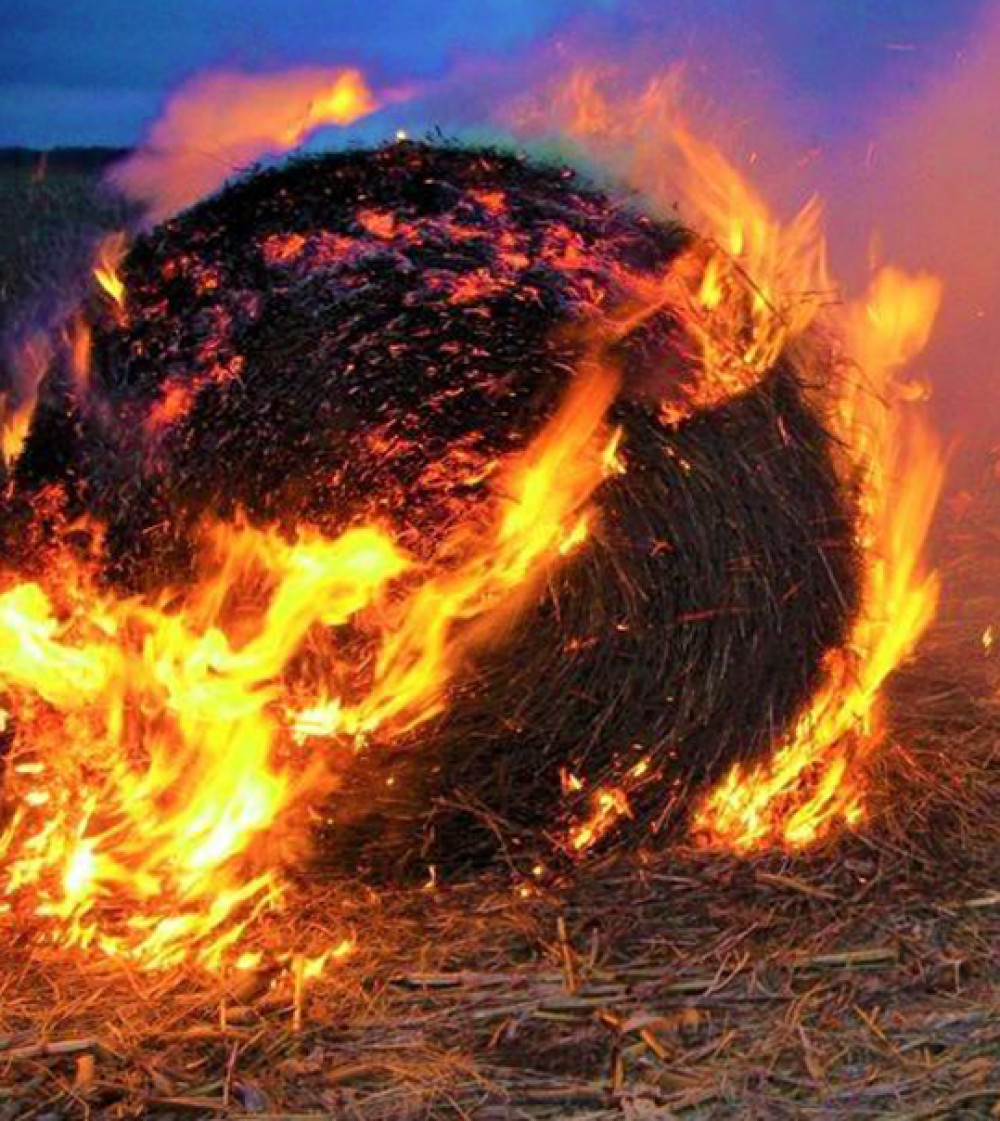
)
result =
(861, 979)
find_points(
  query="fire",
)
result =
(165, 747)
(815, 779)
(746, 293)
(32, 357)
(154, 772)
(160, 770)
(543, 517)
(109, 256)
(610, 805)
(17, 406)
(750, 285)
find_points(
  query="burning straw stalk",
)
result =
(433, 498)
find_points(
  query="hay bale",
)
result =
(353, 336)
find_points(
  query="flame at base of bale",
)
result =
(816, 776)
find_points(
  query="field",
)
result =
(858, 980)
(43, 213)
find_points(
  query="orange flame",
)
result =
(32, 358)
(544, 517)
(747, 293)
(154, 777)
(109, 257)
(219, 123)
(17, 407)
(173, 721)
(814, 779)
(751, 285)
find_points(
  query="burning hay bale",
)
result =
(414, 341)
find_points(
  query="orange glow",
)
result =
(220, 123)
(610, 805)
(607, 806)
(79, 338)
(175, 403)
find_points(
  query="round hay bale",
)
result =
(353, 337)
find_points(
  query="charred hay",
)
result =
(353, 337)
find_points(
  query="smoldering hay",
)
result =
(372, 339)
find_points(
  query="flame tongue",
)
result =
(545, 517)
(109, 257)
(815, 779)
(156, 778)
(750, 285)
(745, 295)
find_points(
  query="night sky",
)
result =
(96, 71)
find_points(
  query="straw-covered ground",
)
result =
(858, 980)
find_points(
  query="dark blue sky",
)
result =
(95, 71)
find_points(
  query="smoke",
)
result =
(894, 127)
(218, 123)
(897, 135)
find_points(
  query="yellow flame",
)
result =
(345, 100)
(747, 292)
(814, 779)
(609, 805)
(154, 781)
(194, 707)
(110, 253)
(542, 516)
